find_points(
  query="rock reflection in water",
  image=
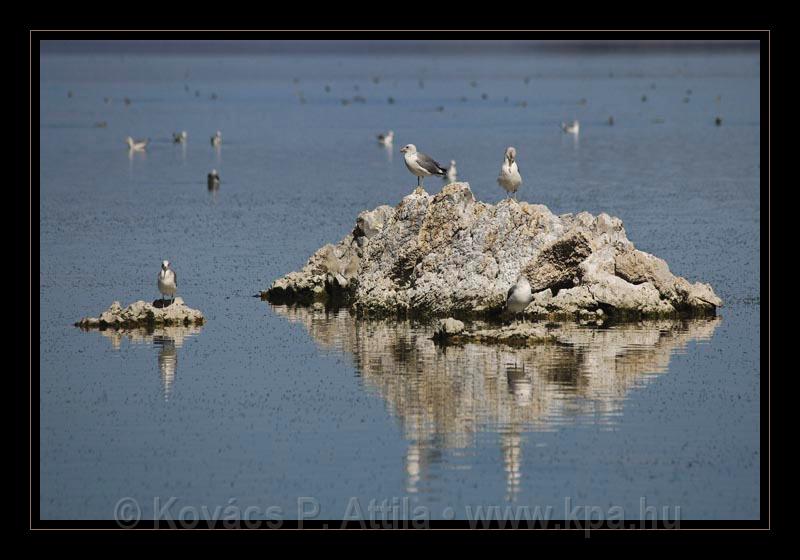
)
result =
(167, 340)
(444, 396)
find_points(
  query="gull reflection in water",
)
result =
(167, 340)
(444, 396)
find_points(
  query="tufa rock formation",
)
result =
(448, 254)
(143, 314)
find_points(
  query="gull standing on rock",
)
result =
(386, 139)
(213, 180)
(167, 282)
(519, 296)
(509, 177)
(452, 174)
(137, 145)
(421, 165)
(216, 140)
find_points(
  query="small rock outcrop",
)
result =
(449, 254)
(142, 314)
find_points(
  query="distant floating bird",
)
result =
(101, 124)
(582, 101)
(167, 282)
(127, 101)
(213, 180)
(519, 296)
(611, 121)
(509, 177)
(644, 98)
(327, 89)
(213, 96)
(718, 121)
(452, 173)
(390, 100)
(216, 140)
(137, 145)
(484, 96)
(421, 165)
(69, 93)
(386, 139)
(180, 137)
(107, 100)
(573, 127)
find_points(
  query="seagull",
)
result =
(216, 140)
(509, 177)
(452, 174)
(167, 282)
(573, 127)
(420, 164)
(386, 139)
(179, 137)
(137, 145)
(519, 296)
(213, 180)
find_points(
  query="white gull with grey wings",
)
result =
(509, 177)
(167, 281)
(419, 164)
(137, 145)
(519, 296)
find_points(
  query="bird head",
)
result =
(409, 149)
(164, 265)
(511, 154)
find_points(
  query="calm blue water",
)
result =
(263, 405)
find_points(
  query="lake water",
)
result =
(265, 404)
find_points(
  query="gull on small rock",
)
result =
(386, 139)
(519, 296)
(179, 137)
(137, 145)
(167, 282)
(509, 177)
(216, 140)
(421, 165)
